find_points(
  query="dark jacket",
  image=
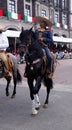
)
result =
(48, 37)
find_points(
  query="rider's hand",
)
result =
(41, 39)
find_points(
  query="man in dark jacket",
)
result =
(45, 37)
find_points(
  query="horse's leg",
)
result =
(37, 101)
(7, 87)
(15, 82)
(37, 85)
(47, 97)
(30, 83)
(16, 79)
(36, 92)
(49, 85)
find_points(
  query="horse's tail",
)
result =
(48, 82)
(19, 77)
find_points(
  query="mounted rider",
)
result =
(45, 37)
(4, 44)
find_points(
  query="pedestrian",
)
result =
(4, 44)
(45, 37)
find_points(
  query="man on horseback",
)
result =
(4, 44)
(45, 38)
(36, 66)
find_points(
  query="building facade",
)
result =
(17, 13)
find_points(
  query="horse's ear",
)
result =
(22, 29)
(31, 29)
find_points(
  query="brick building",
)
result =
(17, 13)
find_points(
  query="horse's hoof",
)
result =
(34, 112)
(7, 94)
(13, 96)
(45, 106)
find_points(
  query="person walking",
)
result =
(4, 44)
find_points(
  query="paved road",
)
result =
(15, 113)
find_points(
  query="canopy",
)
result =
(11, 33)
(62, 39)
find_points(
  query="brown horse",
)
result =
(8, 70)
(36, 68)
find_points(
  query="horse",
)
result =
(36, 69)
(14, 71)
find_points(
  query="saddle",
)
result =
(6, 63)
(41, 63)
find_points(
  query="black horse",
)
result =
(15, 73)
(36, 68)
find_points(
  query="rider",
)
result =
(45, 37)
(4, 44)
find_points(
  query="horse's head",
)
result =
(26, 36)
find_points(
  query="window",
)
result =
(12, 6)
(27, 10)
(56, 3)
(64, 19)
(43, 12)
(56, 18)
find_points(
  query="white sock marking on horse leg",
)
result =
(34, 111)
(36, 97)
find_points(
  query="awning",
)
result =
(11, 33)
(62, 39)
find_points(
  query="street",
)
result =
(15, 114)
